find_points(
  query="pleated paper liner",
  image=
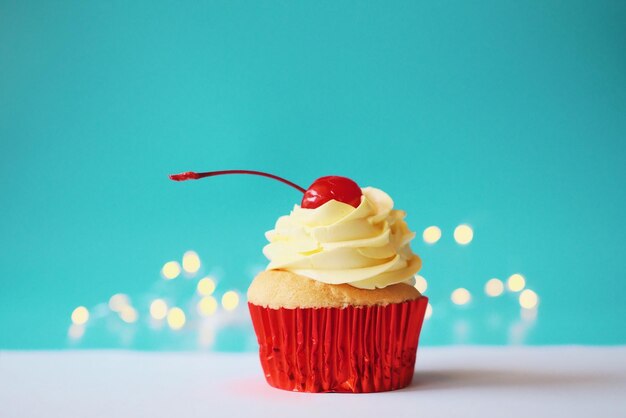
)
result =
(353, 349)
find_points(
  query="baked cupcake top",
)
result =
(277, 289)
(367, 246)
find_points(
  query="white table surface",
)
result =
(460, 381)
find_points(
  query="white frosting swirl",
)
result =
(366, 247)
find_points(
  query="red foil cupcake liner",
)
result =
(352, 349)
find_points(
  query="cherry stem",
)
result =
(191, 175)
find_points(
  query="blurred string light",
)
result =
(528, 299)
(80, 315)
(207, 306)
(206, 286)
(128, 314)
(460, 296)
(432, 234)
(76, 332)
(158, 309)
(420, 283)
(206, 335)
(528, 315)
(118, 301)
(191, 262)
(230, 300)
(463, 234)
(176, 318)
(171, 270)
(516, 282)
(494, 287)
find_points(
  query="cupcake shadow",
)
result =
(482, 378)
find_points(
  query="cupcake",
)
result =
(336, 309)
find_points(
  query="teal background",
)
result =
(507, 115)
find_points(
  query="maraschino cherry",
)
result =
(321, 191)
(332, 187)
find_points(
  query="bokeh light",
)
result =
(171, 270)
(432, 234)
(494, 287)
(206, 335)
(420, 283)
(158, 309)
(118, 301)
(429, 311)
(206, 286)
(460, 296)
(80, 315)
(463, 234)
(176, 318)
(128, 314)
(528, 299)
(191, 262)
(207, 306)
(516, 282)
(76, 332)
(528, 315)
(230, 300)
